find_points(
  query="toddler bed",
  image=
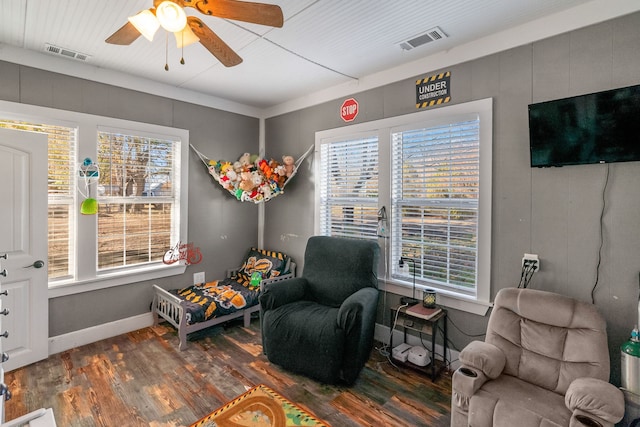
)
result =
(203, 305)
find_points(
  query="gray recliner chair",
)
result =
(544, 362)
(321, 324)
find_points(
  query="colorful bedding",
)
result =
(221, 297)
(215, 299)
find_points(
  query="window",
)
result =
(437, 183)
(136, 195)
(435, 202)
(349, 188)
(140, 190)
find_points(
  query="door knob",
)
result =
(3, 272)
(38, 264)
(4, 357)
(4, 390)
(5, 334)
(3, 256)
(5, 311)
(4, 293)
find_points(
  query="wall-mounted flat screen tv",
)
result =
(602, 127)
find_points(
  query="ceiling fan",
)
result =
(189, 29)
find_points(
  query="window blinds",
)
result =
(349, 188)
(435, 181)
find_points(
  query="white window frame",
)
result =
(480, 302)
(86, 278)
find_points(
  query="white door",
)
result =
(23, 238)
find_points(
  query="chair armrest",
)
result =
(594, 398)
(283, 292)
(362, 302)
(481, 361)
(464, 384)
(357, 318)
(484, 357)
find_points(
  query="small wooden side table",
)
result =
(407, 321)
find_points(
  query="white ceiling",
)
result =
(323, 43)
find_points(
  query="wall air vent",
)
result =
(424, 38)
(67, 53)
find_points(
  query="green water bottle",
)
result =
(630, 363)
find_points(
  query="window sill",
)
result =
(444, 298)
(110, 280)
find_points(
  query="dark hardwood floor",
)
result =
(140, 379)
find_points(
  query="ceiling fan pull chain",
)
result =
(182, 47)
(166, 52)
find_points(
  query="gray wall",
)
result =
(222, 227)
(554, 213)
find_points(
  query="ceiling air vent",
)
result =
(67, 53)
(424, 38)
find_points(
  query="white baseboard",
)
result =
(382, 334)
(90, 335)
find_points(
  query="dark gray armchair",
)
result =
(321, 324)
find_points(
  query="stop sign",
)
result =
(349, 110)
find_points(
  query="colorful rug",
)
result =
(259, 407)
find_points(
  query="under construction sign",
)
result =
(434, 90)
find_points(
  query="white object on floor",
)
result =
(401, 352)
(40, 418)
(418, 355)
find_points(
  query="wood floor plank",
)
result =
(142, 379)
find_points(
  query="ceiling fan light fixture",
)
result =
(171, 16)
(185, 37)
(146, 23)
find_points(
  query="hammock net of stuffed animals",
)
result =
(252, 178)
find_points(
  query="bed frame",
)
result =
(172, 309)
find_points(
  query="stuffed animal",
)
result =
(257, 179)
(266, 191)
(214, 165)
(266, 170)
(246, 182)
(288, 165)
(256, 278)
(245, 160)
(275, 188)
(280, 170)
(224, 167)
(232, 175)
(279, 175)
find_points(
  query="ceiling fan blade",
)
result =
(213, 43)
(127, 34)
(256, 13)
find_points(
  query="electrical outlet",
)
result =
(531, 259)
(198, 278)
